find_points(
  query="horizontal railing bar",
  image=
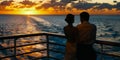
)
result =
(21, 36)
(23, 53)
(54, 58)
(46, 57)
(22, 45)
(56, 44)
(111, 55)
(54, 34)
(59, 35)
(108, 54)
(57, 51)
(28, 35)
(40, 58)
(113, 43)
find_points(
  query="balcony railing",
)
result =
(48, 49)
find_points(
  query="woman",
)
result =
(71, 35)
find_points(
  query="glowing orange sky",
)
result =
(15, 8)
(93, 1)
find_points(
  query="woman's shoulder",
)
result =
(65, 27)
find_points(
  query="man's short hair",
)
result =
(84, 16)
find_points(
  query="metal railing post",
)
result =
(47, 38)
(102, 51)
(15, 47)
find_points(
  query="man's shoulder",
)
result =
(94, 26)
(78, 25)
(84, 25)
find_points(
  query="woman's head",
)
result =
(69, 18)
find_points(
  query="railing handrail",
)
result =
(28, 35)
(47, 34)
(111, 43)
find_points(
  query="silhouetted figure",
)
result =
(70, 33)
(86, 39)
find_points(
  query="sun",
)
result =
(29, 12)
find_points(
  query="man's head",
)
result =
(84, 16)
(69, 18)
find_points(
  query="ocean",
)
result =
(108, 26)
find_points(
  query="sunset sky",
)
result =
(59, 7)
(93, 1)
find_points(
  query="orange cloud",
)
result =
(56, 8)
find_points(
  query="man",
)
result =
(87, 37)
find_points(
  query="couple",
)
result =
(80, 39)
